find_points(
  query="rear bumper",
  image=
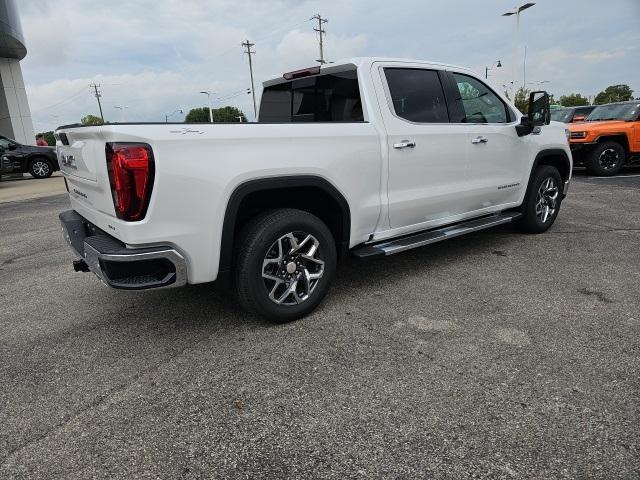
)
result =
(117, 265)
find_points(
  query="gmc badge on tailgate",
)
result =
(68, 161)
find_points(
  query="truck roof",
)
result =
(360, 62)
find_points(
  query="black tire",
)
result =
(40, 167)
(259, 242)
(533, 218)
(606, 159)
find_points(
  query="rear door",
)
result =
(427, 174)
(497, 156)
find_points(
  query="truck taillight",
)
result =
(131, 172)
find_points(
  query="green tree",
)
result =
(521, 100)
(614, 93)
(49, 138)
(573, 100)
(220, 115)
(91, 120)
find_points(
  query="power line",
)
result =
(321, 32)
(98, 95)
(61, 102)
(249, 52)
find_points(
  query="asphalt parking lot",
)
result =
(496, 355)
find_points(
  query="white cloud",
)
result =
(156, 55)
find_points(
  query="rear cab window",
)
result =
(330, 97)
(417, 95)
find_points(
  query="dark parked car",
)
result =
(572, 114)
(40, 162)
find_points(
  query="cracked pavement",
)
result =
(495, 355)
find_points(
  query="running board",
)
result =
(389, 247)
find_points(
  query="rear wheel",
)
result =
(285, 265)
(542, 201)
(606, 159)
(40, 168)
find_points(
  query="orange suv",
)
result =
(609, 139)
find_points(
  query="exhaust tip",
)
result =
(80, 266)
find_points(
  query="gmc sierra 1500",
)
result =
(370, 156)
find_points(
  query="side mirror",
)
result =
(578, 118)
(539, 112)
(11, 146)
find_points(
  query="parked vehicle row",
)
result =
(40, 162)
(368, 156)
(571, 114)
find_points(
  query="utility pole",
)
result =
(98, 95)
(248, 45)
(321, 32)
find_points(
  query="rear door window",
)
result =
(417, 95)
(324, 98)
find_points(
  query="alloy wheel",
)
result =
(609, 159)
(292, 269)
(41, 169)
(547, 199)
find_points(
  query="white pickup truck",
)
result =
(368, 156)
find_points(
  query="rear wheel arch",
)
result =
(306, 192)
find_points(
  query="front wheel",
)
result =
(542, 200)
(285, 265)
(40, 168)
(606, 159)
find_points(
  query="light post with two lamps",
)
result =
(517, 12)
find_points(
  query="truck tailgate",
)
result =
(83, 163)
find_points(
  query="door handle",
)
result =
(480, 139)
(404, 144)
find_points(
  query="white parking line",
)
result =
(616, 176)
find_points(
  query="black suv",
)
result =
(40, 162)
(572, 114)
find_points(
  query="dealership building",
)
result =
(15, 116)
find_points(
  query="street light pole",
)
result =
(167, 115)
(121, 108)
(496, 64)
(517, 12)
(208, 94)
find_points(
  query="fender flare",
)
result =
(275, 183)
(552, 152)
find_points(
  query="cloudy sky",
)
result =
(154, 56)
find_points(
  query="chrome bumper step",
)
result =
(389, 247)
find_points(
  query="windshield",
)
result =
(562, 115)
(620, 111)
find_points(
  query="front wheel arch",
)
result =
(555, 157)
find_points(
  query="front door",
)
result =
(496, 155)
(427, 173)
